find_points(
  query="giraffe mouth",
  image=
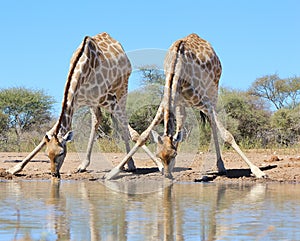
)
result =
(55, 174)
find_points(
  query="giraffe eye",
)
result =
(61, 153)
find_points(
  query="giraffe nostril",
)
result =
(55, 174)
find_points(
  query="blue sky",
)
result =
(252, 38)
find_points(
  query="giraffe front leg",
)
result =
(116, 170)
(140, 141)
(135, 137)
(19, 167)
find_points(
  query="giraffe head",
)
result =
(56, 150)
(166, 151)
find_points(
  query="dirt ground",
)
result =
(279, 165)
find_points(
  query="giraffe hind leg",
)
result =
(227, 137)
(125, 134)
(96, 117)
(213, 122)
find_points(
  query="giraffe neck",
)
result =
(65, 119)
(173, 73)
(65, 122)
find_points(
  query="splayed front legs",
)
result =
(96, 120)
(17, 168)
(140, 141)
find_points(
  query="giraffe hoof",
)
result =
(168, 175)
(80, 170)
(13, 170)
(130, 170)
(261, 175)
(206, 178)
(55, 175)
(114, 172)
(257, 172)
(130, 166)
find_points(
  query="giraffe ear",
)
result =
(68, 137)
(178, 137)
(46, 138)
(156, 137)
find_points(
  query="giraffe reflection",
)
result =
(59, 218)
(165, 214)
(88, 210)
(117, 222)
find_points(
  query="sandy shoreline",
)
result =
(281, 167)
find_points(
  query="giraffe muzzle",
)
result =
(55, 174)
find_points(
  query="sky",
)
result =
(252, 38)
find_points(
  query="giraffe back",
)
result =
(193, 70)
(101, 72)
(98, 77)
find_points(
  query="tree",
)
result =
(293, 87)
(142, 118)
(280, 92)
(247, 114)
(151, 74)
(285, 123)
(153, 78)
(3, 127)
(25, 109)
(142, 104)
(82, 122)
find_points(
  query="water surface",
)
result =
(85, 210)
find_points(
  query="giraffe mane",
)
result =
(170, 123)
(68, 83)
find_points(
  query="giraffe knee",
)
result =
(228, 138)
(142, 139)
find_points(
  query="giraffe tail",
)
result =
(203, 118)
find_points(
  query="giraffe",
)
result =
(97, 78)
(192, 70)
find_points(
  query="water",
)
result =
(82, 210)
